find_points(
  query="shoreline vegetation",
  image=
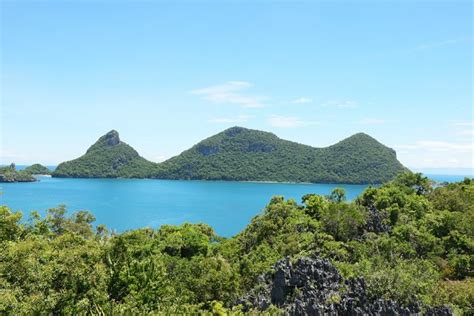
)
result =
(38, 169)
(240, 154)
(404, 246)
(10, 174)
(433, 181)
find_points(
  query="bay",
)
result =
(123, 204)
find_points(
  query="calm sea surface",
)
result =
(123, 204)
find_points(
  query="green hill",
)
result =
(109, 157)
(244, 154)
(37, 169)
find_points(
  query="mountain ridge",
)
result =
(243, 154)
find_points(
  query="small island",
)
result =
(37, 169)
(10, 174)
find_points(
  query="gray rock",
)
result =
(313, 286)
(375, 221)
(112, 138)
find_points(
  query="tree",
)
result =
(315, 205)
(338, 195)
(10, 228)
(416, 181)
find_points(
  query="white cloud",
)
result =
(347, 104)
(433, 45)
(431, 145)
(288, 121)
(463, 123)
(446, 146)
(466, 132)
(436, 154)
(371, 121)
(231, 92)
(463, 128)
(8, 156)
(301, 100)
(236, 119)
(442, 43)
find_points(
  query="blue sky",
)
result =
(166, 75)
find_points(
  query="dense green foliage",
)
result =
(10, 174)
(246, 155)
(37, 169)
(107, 158)
(409, 240)
(243, 154)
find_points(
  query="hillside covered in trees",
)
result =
(109, 157)
(407, 245)
(37, 169)
(10, 174)
(244, 155)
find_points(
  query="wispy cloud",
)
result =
(8, 156)
(232, 93)
(236, 119)
(436, 154)
(442, 43)
(347, 104)
(422, 47)
(466, 132)
(437, 146)
(301, 100)
(463, 128)
(288, 121)
(371, 121)
(463, 123)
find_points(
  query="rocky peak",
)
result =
(112, 138)
(233, 131)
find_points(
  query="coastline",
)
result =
(221, 180)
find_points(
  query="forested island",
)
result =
(10, 174)
(406, 247)
(37, 169)
(242, 154)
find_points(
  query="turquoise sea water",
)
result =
(123, 204)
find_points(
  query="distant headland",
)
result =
(241, 154)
